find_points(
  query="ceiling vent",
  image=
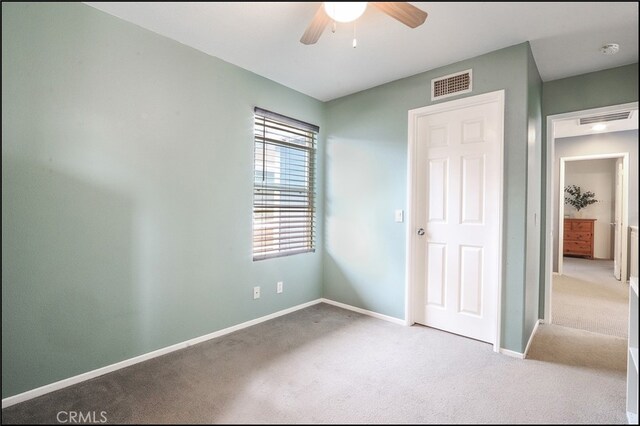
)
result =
(606, 117)
(451, 85)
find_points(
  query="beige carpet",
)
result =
(324, 364)
(587, 297)
(579, 348)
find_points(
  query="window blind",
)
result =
(283, 185)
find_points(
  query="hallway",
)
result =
(589, 327)
(588, 297)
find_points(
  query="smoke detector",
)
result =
(610, 49)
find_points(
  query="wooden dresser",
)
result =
(578, 237)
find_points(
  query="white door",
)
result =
(457, 187)
(617, 233)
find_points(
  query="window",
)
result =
(283, 185)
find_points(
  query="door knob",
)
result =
(421, 231)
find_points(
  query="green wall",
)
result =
(593, 90)
(613, 86)
(127, 194)
(366, 180)
(534, 190)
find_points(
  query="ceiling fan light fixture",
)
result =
(345, 11)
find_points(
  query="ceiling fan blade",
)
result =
(316, 27)
(403, 12)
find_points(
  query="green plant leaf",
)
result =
(577, 198)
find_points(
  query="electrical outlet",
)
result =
(256, 292)
(279, 287)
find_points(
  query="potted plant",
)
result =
(578, 199)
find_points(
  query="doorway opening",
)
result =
(587, 292)
(606, 176)
(591, 249)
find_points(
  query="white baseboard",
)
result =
(364, 311)
(519, 355)
(512, 354)
(34, 393)
(533, 332)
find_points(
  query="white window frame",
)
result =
(284, 186)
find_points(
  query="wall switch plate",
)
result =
(256, 292)
(279, 287)
(399, 216)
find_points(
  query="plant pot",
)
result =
(579, 214)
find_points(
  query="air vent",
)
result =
(451, 85)
(606, 117)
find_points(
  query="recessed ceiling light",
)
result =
(599, 127)
(610, 49)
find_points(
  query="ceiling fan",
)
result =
(404, 12)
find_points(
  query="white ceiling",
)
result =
(263, 37)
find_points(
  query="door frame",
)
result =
(624, 203)
(412, 238)
(550, 199)
(618, 212)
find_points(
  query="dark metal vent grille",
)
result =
(607, 117)
(451, 85)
